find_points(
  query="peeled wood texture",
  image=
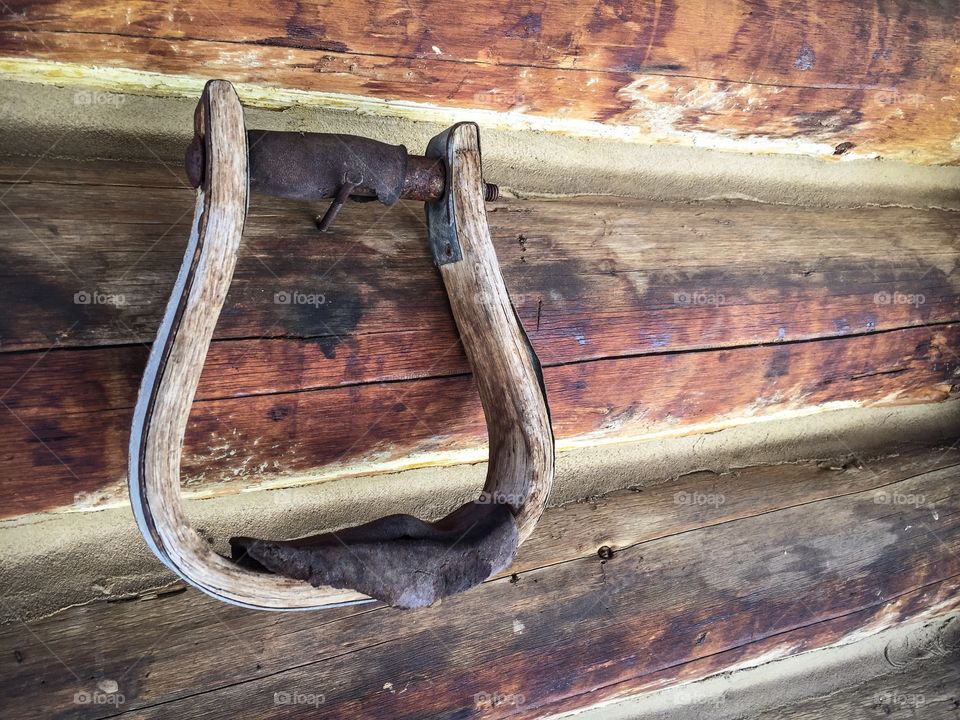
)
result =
(800, 77)
(173, 372)
(606, 288)
(505, 369)
(779, 560)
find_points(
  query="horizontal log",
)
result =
(591, 277)
(635, 285)
(808, 557)
(625, 518)
(77, 453)
(819, 77)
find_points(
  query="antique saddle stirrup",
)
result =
(399, 559)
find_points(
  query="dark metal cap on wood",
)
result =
(317, 166)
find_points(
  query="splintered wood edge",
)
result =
(173, 372)
(521, 469)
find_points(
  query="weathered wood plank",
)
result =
(629, 517)
(287, 438)
(707, 588)
(906, 672)
(592, 277)
(768, 76)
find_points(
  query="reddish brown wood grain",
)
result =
(241, 442)
(775, 75)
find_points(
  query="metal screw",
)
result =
(490, 192)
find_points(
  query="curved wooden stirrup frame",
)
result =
(400, 559)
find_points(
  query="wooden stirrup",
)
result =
(399, 559)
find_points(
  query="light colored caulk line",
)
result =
(141, 82)
(470, 456)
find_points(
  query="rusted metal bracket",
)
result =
(319, 166)
(441, 213)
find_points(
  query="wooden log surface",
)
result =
(650, 318)
(703, 575)
(818, 77)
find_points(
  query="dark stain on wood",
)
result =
(278, 412)
(780, 363)
(51, 297)
(527, 26)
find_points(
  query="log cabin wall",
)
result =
(731, 236)
(651, 320)
(668, 291)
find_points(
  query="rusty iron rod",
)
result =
(317, 166)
